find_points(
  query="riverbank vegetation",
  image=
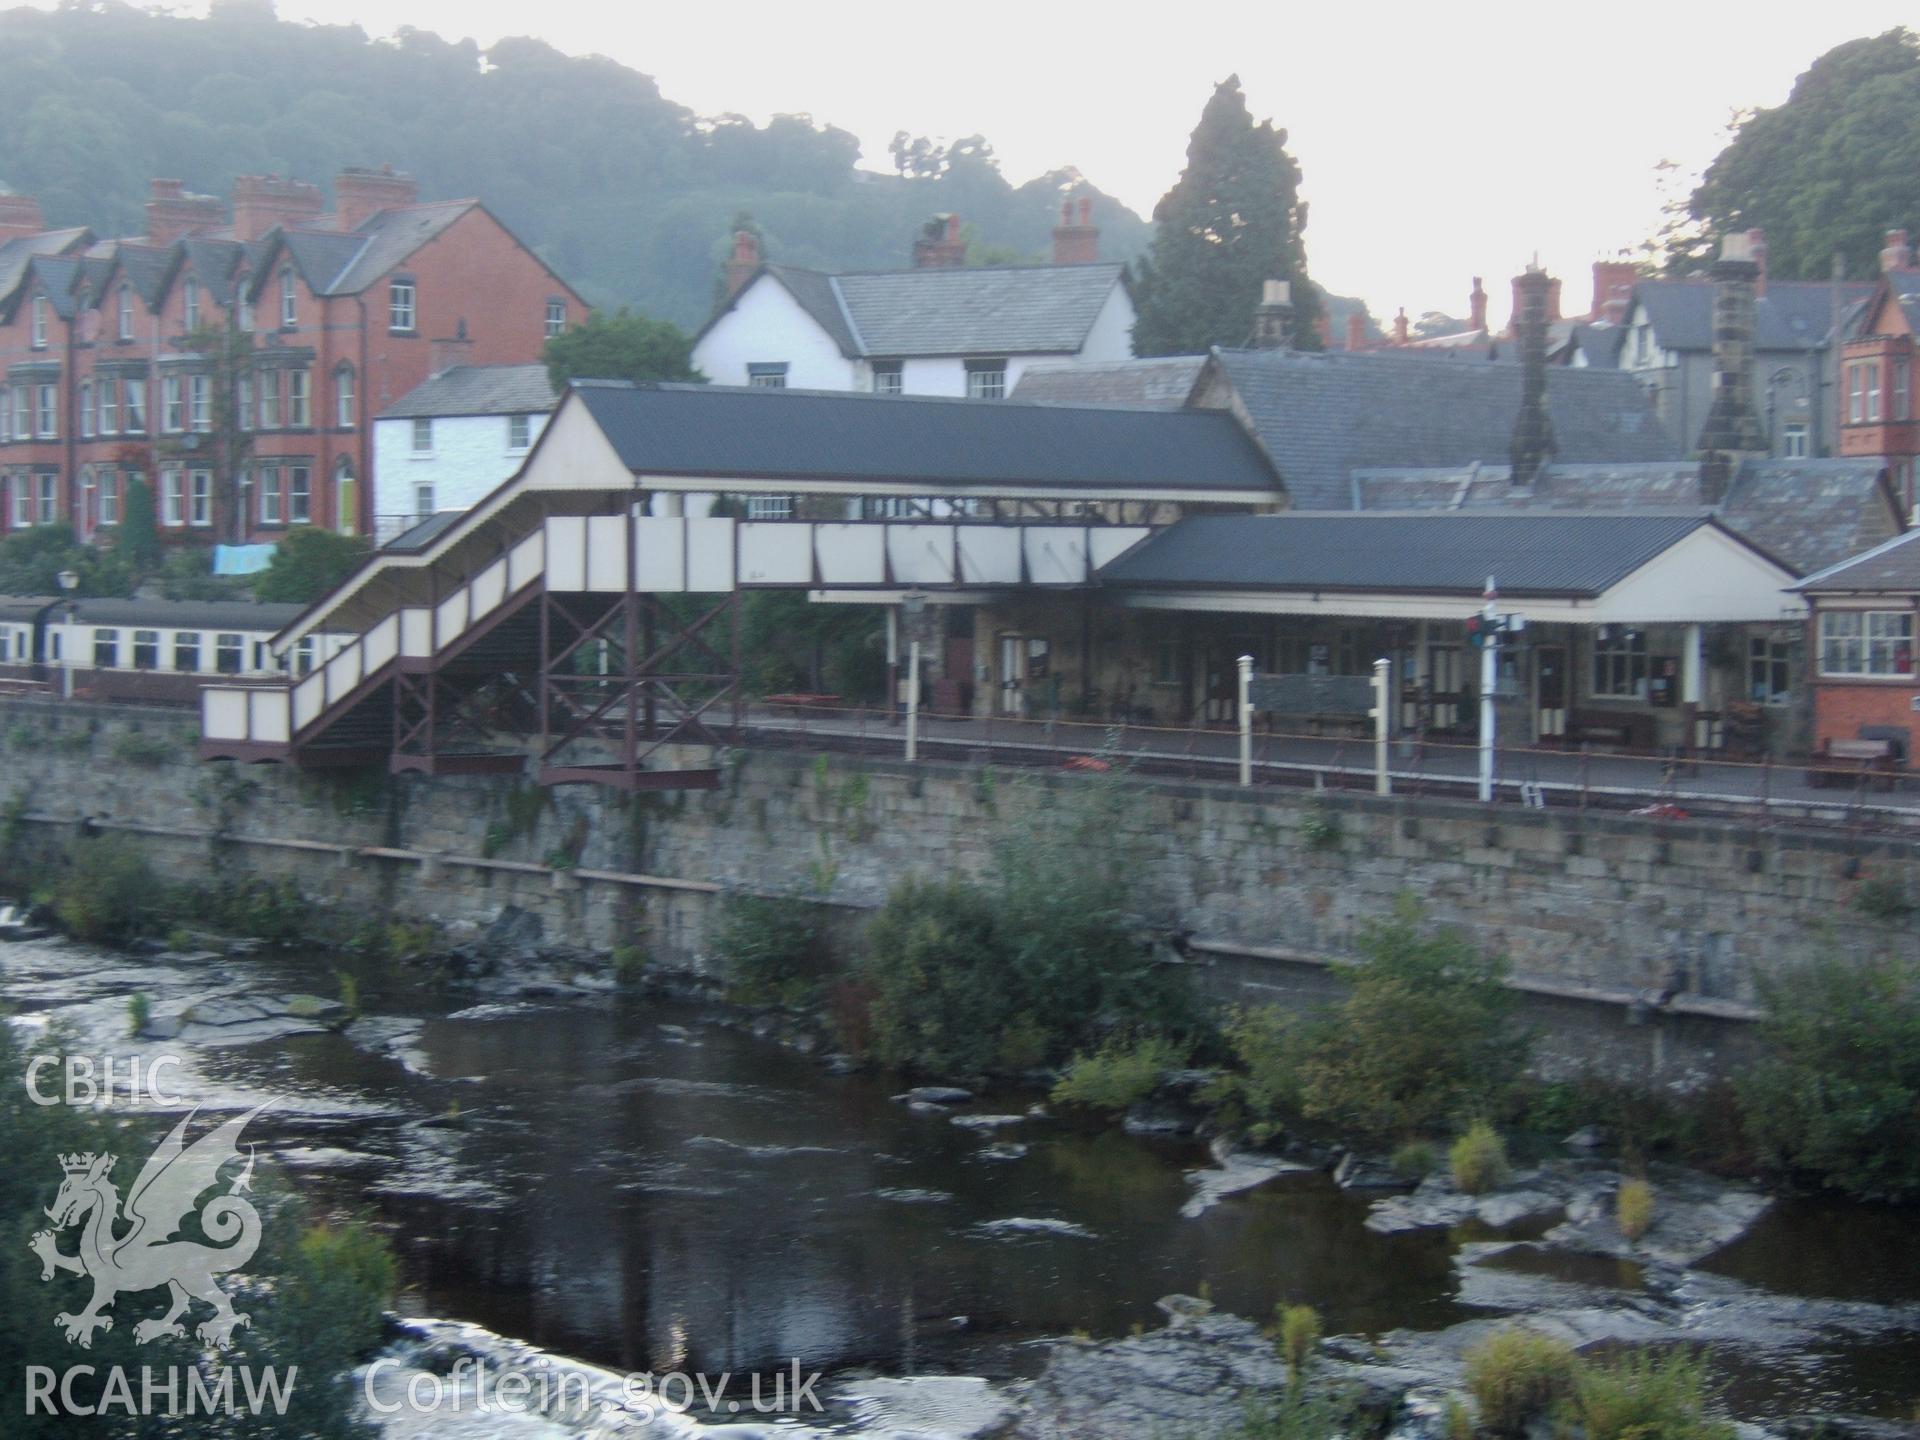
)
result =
(1520, 1378)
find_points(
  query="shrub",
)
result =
(107, 891)
(1265, 1042)
(1298, 1414)
(773, 947)
(1415, 1160)
(1516, 1375)
(1838, 1096)
(1479, 1159)
(139, 1012)
(942, 991)
(1299, 1334)
(1633, 1208)
(137, 747)
(1647, 1397)
(1319, 827)
(1424, 1036)
(629, 965)
(1882, 900)
(1120, 1074)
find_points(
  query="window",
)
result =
(300, 398)
(23, 413)
(423, 500)
(519, 431)
(244, 316)
(770, 376)
(1866, 642)
(200, 393)
(346, 498)
(109, 497)
(986, 379)
(6, 413)
(146, 649)
(229, 653)
(1769, 671)
(48, 483)
(86, 494)
(109, 405)
(556, 318)
(400, 300)
(1902, 387)
(769, 507)
(299, 495)
(136, 388)
(1793, 438)
(243, 401)
(423, 436)
(47, 399)
(125, 305)
(202, 513)
(106, 649)
(173, 497)
(343, 398)
(39, 322)
(269, 494)
(186, 651)
(269, 385)
(1620, 663)
(289, 299)
(1863, 392)
(173, 415)
(86, 409)
(303, 656)
(888, 377)
(190, 304)
(22, 503)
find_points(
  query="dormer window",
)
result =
(400, 306)
(126, 311)
(289, 300)
(190, 304)
(39, 322)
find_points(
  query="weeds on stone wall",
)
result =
(106, 892)
(147, 750)
(521, 806)
(1882, 899)
(774, 948)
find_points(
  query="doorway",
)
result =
(1550, 670)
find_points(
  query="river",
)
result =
(622, 1180)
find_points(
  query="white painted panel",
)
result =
(309, 699)
(451, 617)
(607, 552)
(382, 643)
(1105, 542)
(567, 552)
(343, 673)
(921, 554)
(489, 588)
(660, 558)
(776, 553)
(268, 716)
(989, 554)
(851, 554)
(223, 714)
(525, 561)
(1056, 554)
(416, 632)
(709, 555)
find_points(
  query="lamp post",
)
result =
(69, 582)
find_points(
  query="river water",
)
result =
(620, 1180)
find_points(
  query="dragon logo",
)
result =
(147, 1255)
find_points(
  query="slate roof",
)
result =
(188, 614)
(214, 263)
(1424, 553)
(1806, 513)
(1162, 384)
(919, 442)
(1905, 288)
(419, 536)
(392, 235)
(477, 390)
(1324, 416)
(1892, 568)
(986, 310)
(1600, 344)
(1792, 315)
(17, 253)
(146, 266)
(58, 273)
(319, 255)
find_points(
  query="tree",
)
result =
(31, 562)
(307, 564)
(1826, 173)
(621, 346)
(139, 537)
(1231, 222)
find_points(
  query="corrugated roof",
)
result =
(1891, 567)
(742, 432)
(1323, 417)
(1529, 554)
(1792, 315)
(478, 390)
(1162, 384)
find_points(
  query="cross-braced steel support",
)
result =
(443, 724)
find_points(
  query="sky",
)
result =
(1438, 141)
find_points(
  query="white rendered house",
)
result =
(453, 440)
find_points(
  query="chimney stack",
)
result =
(261, 202)
(1732, 428)
(1477, 306)
(1323, 328)
(451, 350)
(20, 215)
(1356, 330)
(1400, 330)
(1613, 282)
(172, 211)
(1273, 320)
(940, 245)
(744, 263)
(1553, 300)
(1076, 244)
(1533, 444)
(1898, 255)
(359, 193)
(1757, 247)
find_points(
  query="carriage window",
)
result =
(186, 651)
(106, 649)
(229, 651)
(146, 649)
(6, 637)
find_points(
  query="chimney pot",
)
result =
(360, 192)
(261, 202)
(1898, 255)
(743, 263)
(1401, 332)
(939, 245)
(172, 211)
(1076, 243)
(1477, 306)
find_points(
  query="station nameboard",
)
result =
(1312, 694)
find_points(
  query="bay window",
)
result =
(1866, 642)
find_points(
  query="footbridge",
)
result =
(592, 604)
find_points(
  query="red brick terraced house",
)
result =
(1879, 395)
(327, 317)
